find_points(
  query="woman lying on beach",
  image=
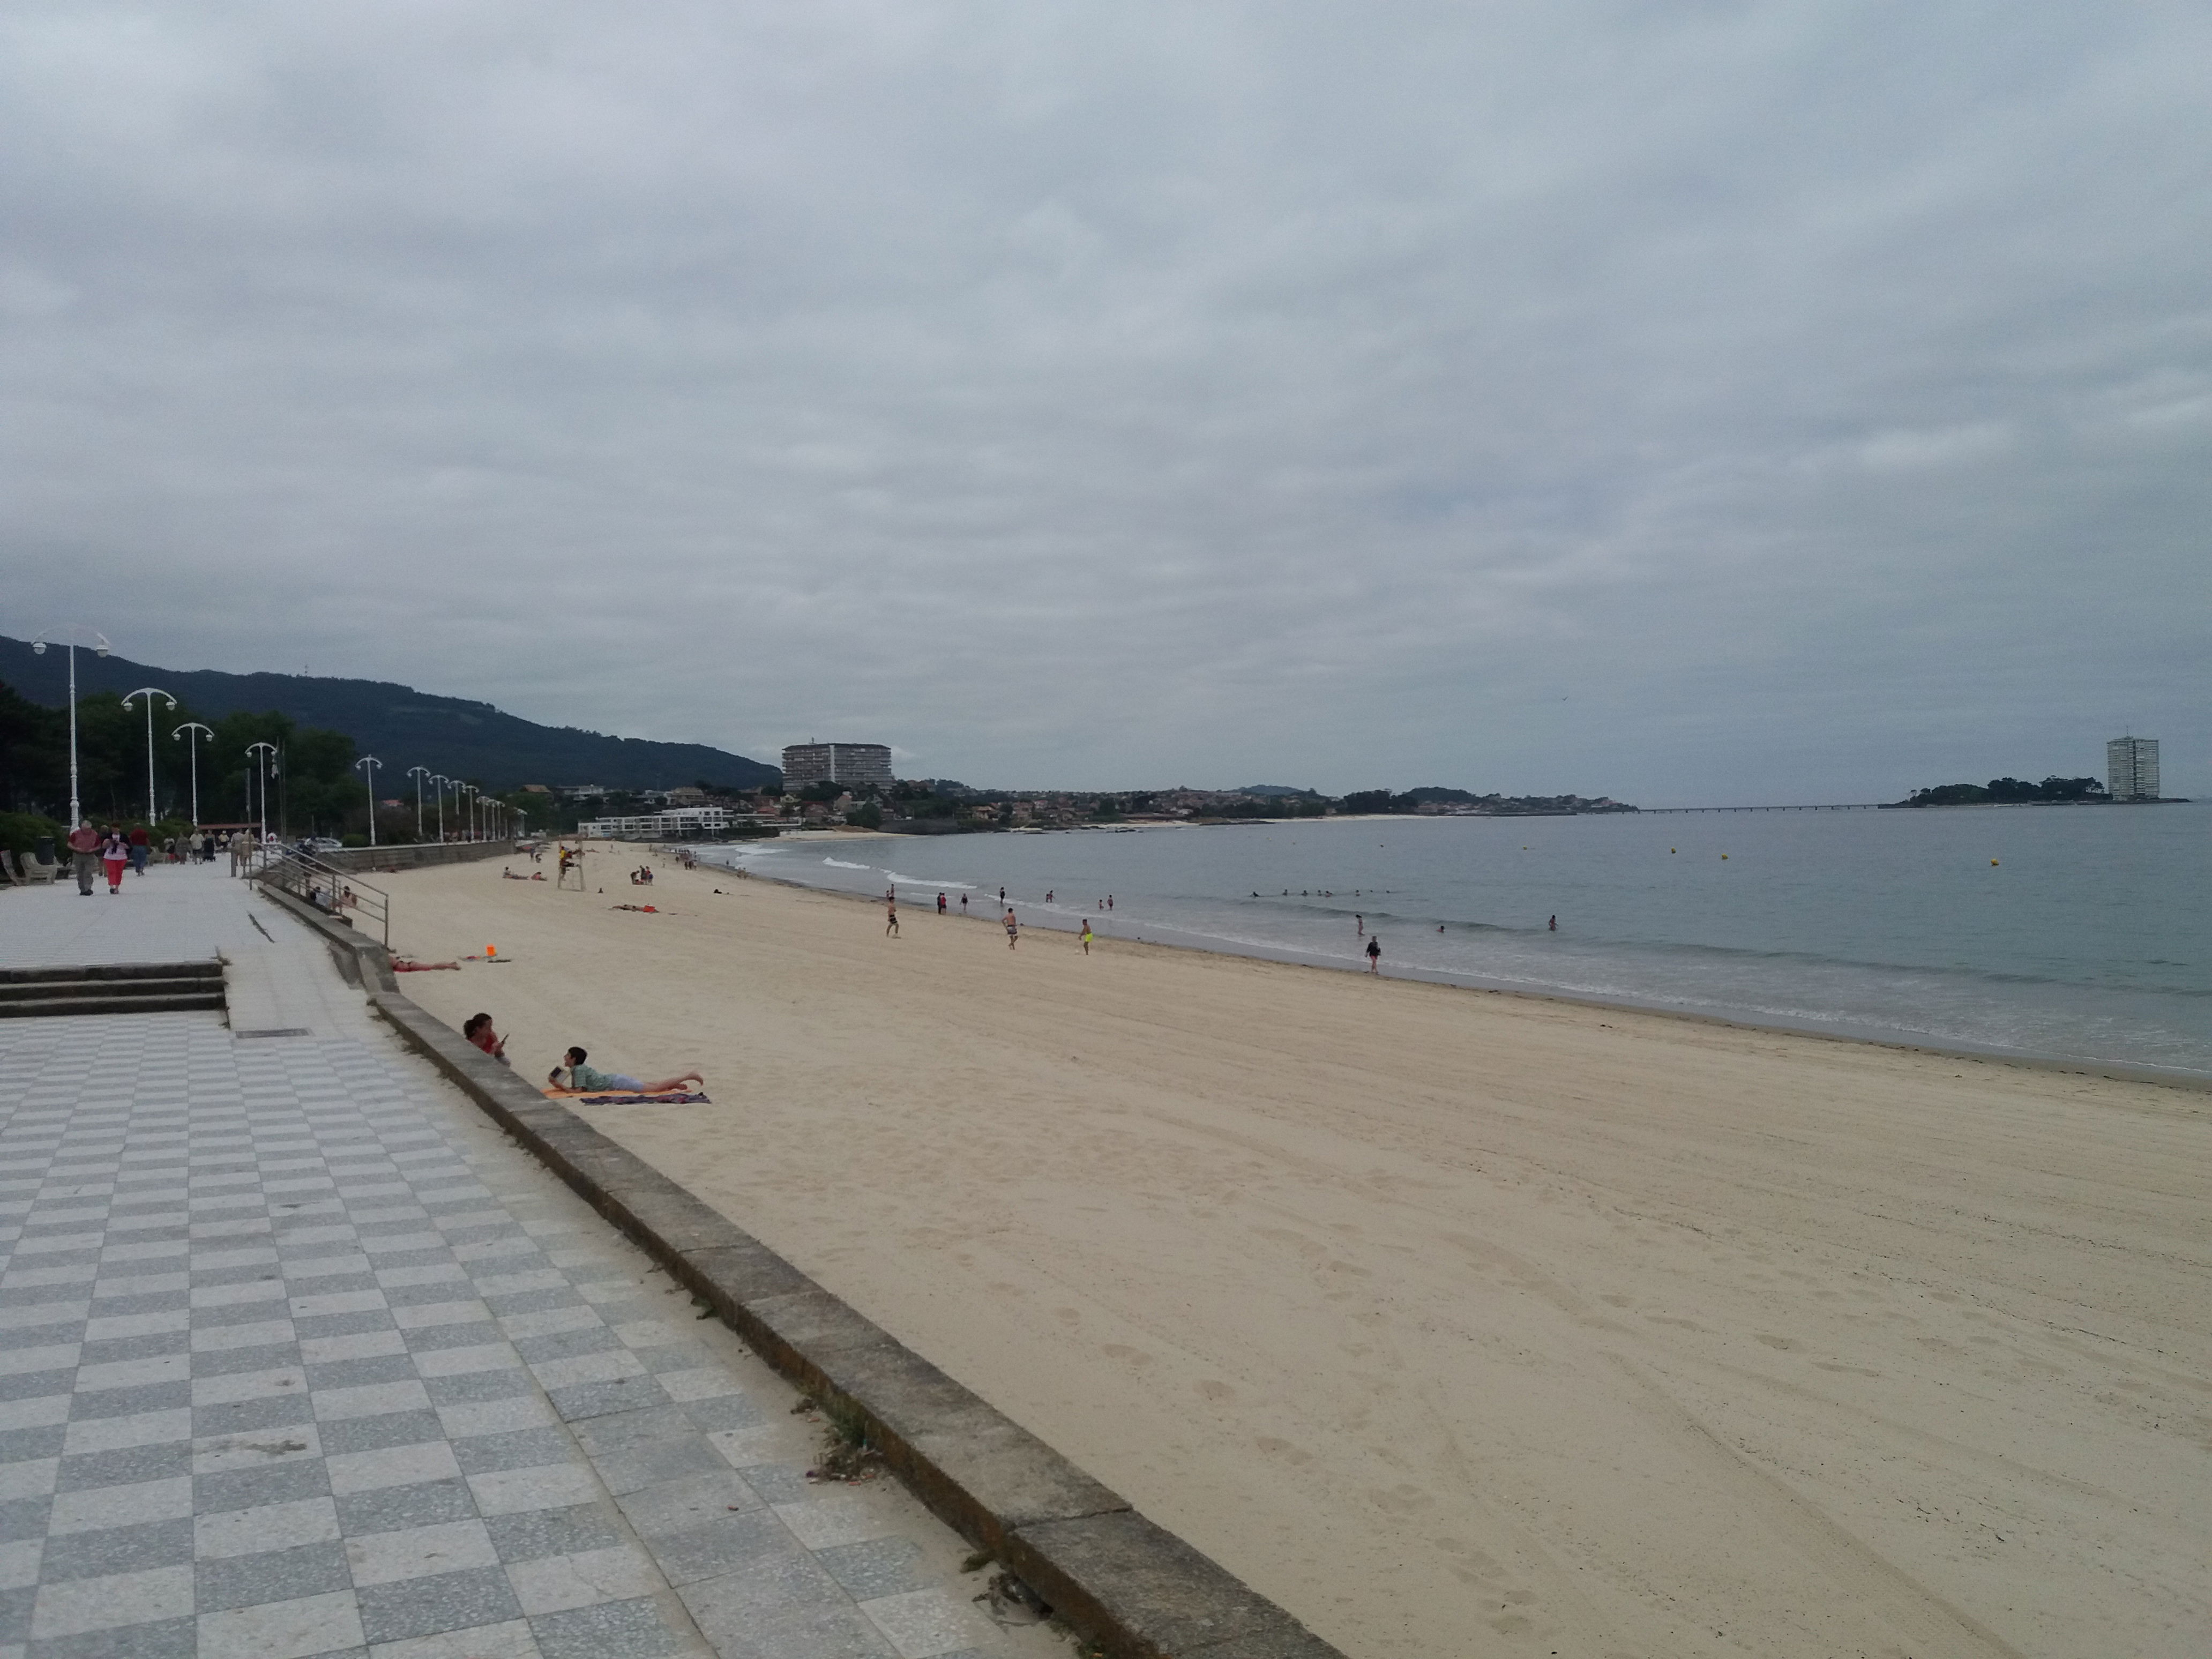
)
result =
(590, 1080)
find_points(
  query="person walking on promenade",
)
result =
(141, 844)
(84, 855)
(114, 857)
(1086, 936)
(890, 918)
(241, 850)
(1375, 955)
(1013, 928)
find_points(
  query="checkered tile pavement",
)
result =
(299, 1356)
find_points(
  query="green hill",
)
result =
(404, 726)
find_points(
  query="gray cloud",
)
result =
(1696, 402)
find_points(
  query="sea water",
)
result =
(2078, 933)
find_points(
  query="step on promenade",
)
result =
(300, 1355)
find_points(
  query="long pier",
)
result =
(1832, 807)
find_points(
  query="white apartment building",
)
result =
(2131, 768)
(677, 823)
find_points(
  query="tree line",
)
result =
(315, 789)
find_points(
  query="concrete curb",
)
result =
(1120, 1581)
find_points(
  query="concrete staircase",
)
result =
(115, 987)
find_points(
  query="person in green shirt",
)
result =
(574, 1073)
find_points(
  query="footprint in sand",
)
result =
(1782, 1342)
(1219, 1392)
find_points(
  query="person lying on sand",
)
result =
(572, 1074)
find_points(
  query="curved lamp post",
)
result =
(438, 781)
(192, 746)
(372, 764)
(263, 753)
(418, 772)
(39, 649)
(150, 692)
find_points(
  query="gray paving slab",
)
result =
(300, 1355)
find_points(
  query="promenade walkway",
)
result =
(299, 1356)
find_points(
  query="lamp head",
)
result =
(39, 648)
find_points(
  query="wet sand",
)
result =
(1457, 1322)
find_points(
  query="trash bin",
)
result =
(46, 850)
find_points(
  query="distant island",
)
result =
(2010, 792)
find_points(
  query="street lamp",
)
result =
(465, 797)
(150, 692)
(39, 649)
(439, 780)
(372, 764)
(192, 746)
(263, 753)
(418, 772)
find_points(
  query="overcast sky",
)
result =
(1693, 402)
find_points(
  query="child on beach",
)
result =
(1086, 936)
(478, 1030)
(590, 1080)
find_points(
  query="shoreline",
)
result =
(2115, 1071)
(1447, 1321)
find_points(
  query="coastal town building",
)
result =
(677, 823)
(848, 764)
(2131, 768)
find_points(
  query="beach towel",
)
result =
(626, 1099)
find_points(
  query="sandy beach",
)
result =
(1457, 1322)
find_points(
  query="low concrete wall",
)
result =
(1120, 1582)
(366, 860)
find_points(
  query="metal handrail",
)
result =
(325, 886)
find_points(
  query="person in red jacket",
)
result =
(141, 843)
(114, 857)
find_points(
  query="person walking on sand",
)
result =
(1086, 936)
(1375, 954)
(890, 918)
(84, 856)
(1013, 928)
(940, 905)
(963, 905)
